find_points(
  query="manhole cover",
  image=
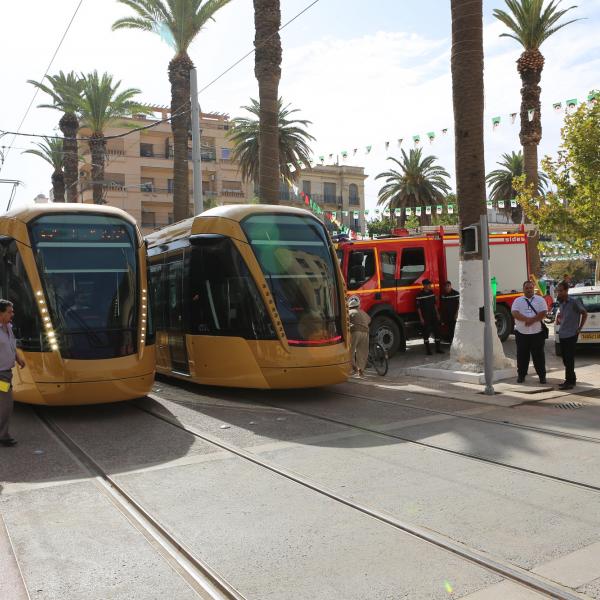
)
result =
(569, 405)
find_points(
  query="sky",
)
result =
(364, 73)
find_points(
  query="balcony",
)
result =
(232, 193)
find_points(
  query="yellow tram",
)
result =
(77, 276)
(249, 296)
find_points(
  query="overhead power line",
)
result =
(62, 39)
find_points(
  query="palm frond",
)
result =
(51, 151)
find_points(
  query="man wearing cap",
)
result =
(429, 316)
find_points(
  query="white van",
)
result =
(590, 298)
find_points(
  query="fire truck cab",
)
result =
(387, 274)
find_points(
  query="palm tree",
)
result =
(267, 69)
(531, 23)
(467, 99)
(65, 91)
(294, 150)
(51, 150)
(179, 22)
(417, 182)
(103, 105)
(501, 182)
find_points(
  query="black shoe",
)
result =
(566, 386)
(427, 348)
(8, 442)
(520, 379)
(543, 380)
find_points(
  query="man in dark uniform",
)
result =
(449, 308)
(429, 316)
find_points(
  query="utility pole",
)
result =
(488, 344)
(196, 144)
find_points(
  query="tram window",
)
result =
(15, 287)
(88, 267)
(413, 265)
(225, 300)
(307, 297)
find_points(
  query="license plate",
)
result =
(590, 336)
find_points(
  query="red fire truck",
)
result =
(388, 272)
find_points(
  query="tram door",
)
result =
(175, 314)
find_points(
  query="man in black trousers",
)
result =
(449, 300)
(571, 319)
(528, 311)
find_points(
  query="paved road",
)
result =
(354, 491)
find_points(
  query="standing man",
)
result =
(8, 357)
(359, 331)
(429, 316)
(449, 308)
(571, 318)
(528, 311)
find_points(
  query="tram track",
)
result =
(439, 448)
(205, 581)
(483, 559)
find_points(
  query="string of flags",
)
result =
(568, 106)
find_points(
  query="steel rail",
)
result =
(202, 578)
(483, 559)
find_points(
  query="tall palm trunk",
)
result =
(58, 186)
(98, 151)
(69, 125)
(267, 68)
(181, 123)
(467, 96)
(530, 66)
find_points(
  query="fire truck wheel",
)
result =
(387, 333)
(504, 322)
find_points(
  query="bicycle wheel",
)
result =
(380, 360)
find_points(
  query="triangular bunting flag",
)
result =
(513, 203)
(490, 205)
(408, 211)
(439, 208)
(496, 122)
(500, 203)
(398, 212)
(418, 211)
(571, 104)
(417, 139)
(368, 149)
(513, 117)
(428, 210)
(431, 136)
(450, 209)
(531, 114)
(557, 106)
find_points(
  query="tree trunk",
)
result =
(530, 66)
(181, 126)
(69, 125)
(468, 102)
(98, 151)
(267, 69)
(597, 271)
(58, 186)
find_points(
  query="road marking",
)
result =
(12, 584)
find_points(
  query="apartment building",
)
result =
(139, 174)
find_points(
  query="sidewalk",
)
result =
(508, 392)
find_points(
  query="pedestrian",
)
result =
(8, 357)
(571, 318)
(529, 311)
(429, 316)
(449, 301)
(359, 331)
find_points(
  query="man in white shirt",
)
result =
(529, 311)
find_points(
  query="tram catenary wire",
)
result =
(484, 559)
(209, 584)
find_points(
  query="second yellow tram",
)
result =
(76, 275)
(249, 296)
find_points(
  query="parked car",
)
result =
(590, 334)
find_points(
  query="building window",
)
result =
(306, 187)
(170, 218)
(146, 150)
(353, 194)
(232, 188)
(412, 266)
(147, 184)
(148, 219)
(225, 153)
(170, 185)
(329, 192)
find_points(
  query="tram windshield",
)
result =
(294, 255)
(88, 267)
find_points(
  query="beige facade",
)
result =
(139, 174)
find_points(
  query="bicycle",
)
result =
(378, 358)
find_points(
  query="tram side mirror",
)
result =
(470, 239)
